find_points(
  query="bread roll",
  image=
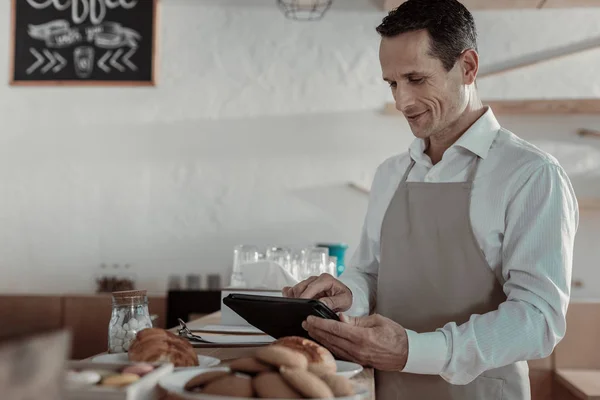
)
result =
(320, 360)
(159, 345)
(280, 356)
(270, 385)
(231, 385)
(306, 383)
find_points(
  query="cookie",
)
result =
(233, 385)
(339, 385)
(280, 356)
(306, 383)
(199, 381)
(320, 360)
(104, 373)
(250, 366)
(138, 369)
(82, 378)
(270, 385)
(120, 380)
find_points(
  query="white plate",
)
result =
(205, 361)
(175, 382)
(235, 339)
(224, 329)
(348, 369)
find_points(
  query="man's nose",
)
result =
(404, 99)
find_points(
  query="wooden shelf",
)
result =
(388, 5)
(570, 3)
(530, 107)
(583, 383)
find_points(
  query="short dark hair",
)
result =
(450, 25)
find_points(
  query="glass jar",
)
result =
(130, 315)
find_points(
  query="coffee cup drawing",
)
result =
(84, 61)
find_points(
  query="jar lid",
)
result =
(126, 296)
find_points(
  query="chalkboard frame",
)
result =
(13, 82)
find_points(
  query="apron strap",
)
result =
(470, 178)
(473, 171)
(410, 167)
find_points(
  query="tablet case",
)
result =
(278, 316)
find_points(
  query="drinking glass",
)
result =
(280, 255)
(242, 254)
(316, 260)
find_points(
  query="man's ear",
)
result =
(469, 61)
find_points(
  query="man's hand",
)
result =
(325, 288)
(373, 341)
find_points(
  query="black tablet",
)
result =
(277, 316)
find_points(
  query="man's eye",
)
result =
(392, 84)
(416, 80)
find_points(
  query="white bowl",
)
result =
(204, 361)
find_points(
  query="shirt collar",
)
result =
(477, 139)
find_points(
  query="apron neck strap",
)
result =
(410, 166)
(470, 178)
(473, 171)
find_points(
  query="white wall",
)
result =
(253, 118)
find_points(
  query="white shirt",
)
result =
(524, 215)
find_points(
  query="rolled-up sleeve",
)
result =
(362, 270)
(537, 257)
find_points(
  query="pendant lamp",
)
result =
(304, 10)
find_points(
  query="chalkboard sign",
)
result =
(82, 42)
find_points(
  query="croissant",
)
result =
(320, 360)
(159, 345)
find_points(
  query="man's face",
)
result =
(430, 97)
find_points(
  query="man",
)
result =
(467, 246)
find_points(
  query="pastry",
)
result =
(200, 380)
(339, 385)
(138, 369)
(231, 385)
(270, 385)
(280, 356)
(120, 380)
(320, 360)
(306, 383)
(75, 378)
(250, 366)
(159, 345)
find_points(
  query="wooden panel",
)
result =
(570, 3)
(541, 384)
(20, 314)
(88, 318)
(545, 364)
(580, 348)
(584, 384)
(529, 107)
(157, 305)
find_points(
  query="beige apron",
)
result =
(432, 272)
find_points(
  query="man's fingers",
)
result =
(301, 287)
(335, 329)
(342, 348)
(286, 291)
(316, 287)
(361, 322)
(332, 302)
